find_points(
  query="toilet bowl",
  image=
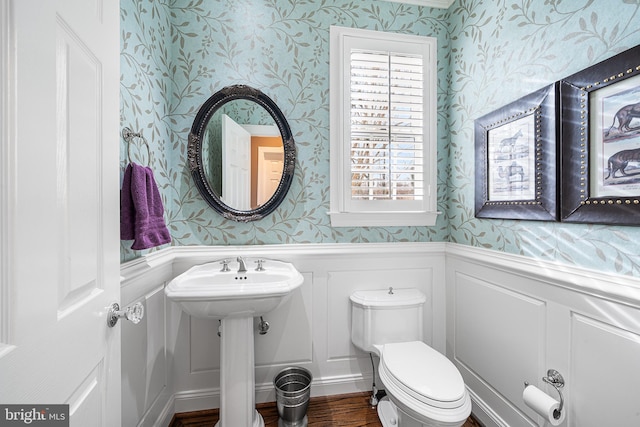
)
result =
(424, 388)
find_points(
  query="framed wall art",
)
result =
(601, 142)
(516, 158)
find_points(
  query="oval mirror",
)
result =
(241, 153)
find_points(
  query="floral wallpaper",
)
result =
(282, 48)
(501, 51)
(176, 53)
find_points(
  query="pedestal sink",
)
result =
(229, 291)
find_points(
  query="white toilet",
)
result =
(424, 387)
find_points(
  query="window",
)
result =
(383, 128)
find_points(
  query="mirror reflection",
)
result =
(243, 154)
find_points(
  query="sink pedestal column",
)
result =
(237, 374)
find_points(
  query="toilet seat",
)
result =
(423, 373)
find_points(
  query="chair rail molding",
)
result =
(177, 257)
(607, 286)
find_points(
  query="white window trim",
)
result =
(340, 178)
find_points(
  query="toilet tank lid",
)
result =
(386, 298)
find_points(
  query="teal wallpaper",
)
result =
(176, 53)
(503, 50)
(281, 47)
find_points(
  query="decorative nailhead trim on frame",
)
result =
(538, 156)
(583, 149)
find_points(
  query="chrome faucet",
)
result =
(242, 268)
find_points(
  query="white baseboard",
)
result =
(483, 413)
(166, 415)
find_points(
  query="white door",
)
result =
(60, 207)
(236, 165)
(270, 166)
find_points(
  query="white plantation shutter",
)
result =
(386, 126)
(383, 128)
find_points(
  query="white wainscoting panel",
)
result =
(503, 319)
(605, 370)
(144, 364)
(289, 340)
(145, 360)
(511, 318)
(311, 329)
(499, 338)
(205, 345)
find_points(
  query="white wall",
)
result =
(502, 319)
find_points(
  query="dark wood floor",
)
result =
(346, 410)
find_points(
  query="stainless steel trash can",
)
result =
(293, 388)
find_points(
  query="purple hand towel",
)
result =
(127, 211)
(141, 210)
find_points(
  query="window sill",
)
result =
(382, 219)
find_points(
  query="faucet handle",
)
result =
(225, 265)
(260, 266)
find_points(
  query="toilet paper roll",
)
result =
(543, 404)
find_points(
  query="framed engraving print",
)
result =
(601, 142)
(516, 159)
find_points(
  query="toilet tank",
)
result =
(380, 317)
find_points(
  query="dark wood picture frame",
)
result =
(516, 159)
(599, 140)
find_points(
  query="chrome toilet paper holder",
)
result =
(555, 379)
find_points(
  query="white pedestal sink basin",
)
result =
(222, 290)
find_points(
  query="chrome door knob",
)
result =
(134, 313)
